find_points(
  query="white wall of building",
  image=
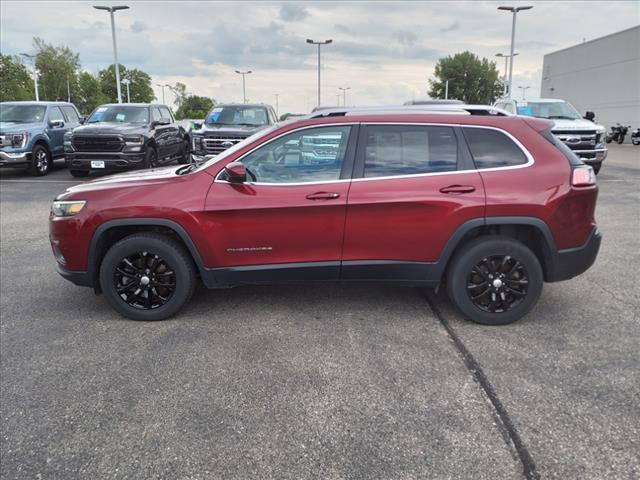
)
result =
(601, 75)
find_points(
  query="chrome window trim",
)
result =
(530, 159)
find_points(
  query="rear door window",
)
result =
(493, 149)
(395, 150)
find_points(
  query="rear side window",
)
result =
(393, 150)
(493, 149)
(71, 114)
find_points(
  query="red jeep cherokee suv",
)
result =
(491, 206)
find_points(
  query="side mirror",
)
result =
(236, 172)
(56, 124)
(82, 119)
(590, 116)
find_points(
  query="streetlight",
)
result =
(111, 11)
(515, 11)
(244, 88)
(344, 94)
(504, 79)
(277, 95)
(32, 58)
(127, 82)
(326, 42)
(162, 86)
(523, 90)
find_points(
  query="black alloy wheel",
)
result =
(40, 161)
(144, 280)
(498, 283)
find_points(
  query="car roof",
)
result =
(33, 102)
(133, 105)
(532, 100)
(234, 104)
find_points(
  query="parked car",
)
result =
(31, 133)
(581, 135)
(125, 136)
(411, 198)
(229, 124)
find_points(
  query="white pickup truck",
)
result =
(584, 137)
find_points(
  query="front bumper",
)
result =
(592, 156)
(571, 262)
(116, 161)
(14, 159)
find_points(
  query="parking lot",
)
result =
(319, 381)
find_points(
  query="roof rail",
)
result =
(442, 109)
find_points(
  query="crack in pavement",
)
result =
(512, 437)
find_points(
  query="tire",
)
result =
(173, 267)
(79, 173)
(607, 138)
(185, 157)
(635, 141)
(151, 159)
(491, 250)
(596, 167)
(620, 139)
(40, 161)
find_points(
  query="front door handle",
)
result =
(458, 189)
(323, 196)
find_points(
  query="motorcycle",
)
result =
(617, 133)
(635, 136)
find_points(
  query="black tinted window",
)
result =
(491, 148)
(392, 150)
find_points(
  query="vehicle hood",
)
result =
(579, 124)
(244, 130)
(134, 178)
(15, 127)
(110, 127)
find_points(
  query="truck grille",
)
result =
(214, 145)
(97, 143)
(578, 139)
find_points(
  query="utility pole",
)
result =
(514, 11)
(127, 82)
(161, 86)
(344, 94)
(326, 42)
(277, 113)
(32, 58)
(111, 11)
(244, 89)
(446, 89)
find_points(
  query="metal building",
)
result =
(601, 75)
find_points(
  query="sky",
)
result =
(383, 51)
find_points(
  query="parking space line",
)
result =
(500, 412)
(40, 181)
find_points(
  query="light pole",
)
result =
(111, 11)
(504, 79)
(277, 95)
(326, 42)
(524, 89)
(446, 90)
(127, 82)
(162, 87)
(344, 94)
(515, 11)
(244, 88)
(35, 73)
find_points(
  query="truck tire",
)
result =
(151, 158)
(494, 280)
(79, 173)
(40, 161)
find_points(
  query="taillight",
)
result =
(583, 176)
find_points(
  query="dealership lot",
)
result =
(319, 381)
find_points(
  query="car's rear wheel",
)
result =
(147, 276)
(494, 280)
(40, 161)
(79, 173)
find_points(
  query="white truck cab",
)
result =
(583, 136)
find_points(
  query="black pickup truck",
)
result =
(126, 136)
(228, 124)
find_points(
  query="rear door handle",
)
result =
(323, 196)
(458, 189)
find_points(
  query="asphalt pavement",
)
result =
(319, 381)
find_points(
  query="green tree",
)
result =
(470, 79)
(57, 67)
(140, 87)
(180, 91)
(195, 106)
(15, 80)
(89, 94)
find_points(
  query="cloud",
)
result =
(405, 37)
(454, 26)
(138, 26)
(342, 28)
(292, 12)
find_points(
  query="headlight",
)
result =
(67, 208)
(19, 139)
(134, 140)
(197, 142)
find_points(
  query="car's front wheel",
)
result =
(147, 276)
(40, 161)
(494, 280)
(185, 156)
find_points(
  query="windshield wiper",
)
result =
(562, 117)
(248, 124)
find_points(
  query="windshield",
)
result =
(551, 110)
(120, 114)
(22, 113)
(236, 147)
(238, 115)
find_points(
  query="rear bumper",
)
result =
(116, 161)
(82, 279)
(574, 261)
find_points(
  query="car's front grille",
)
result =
(102, 143)
(214, 145)
(578, 139)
